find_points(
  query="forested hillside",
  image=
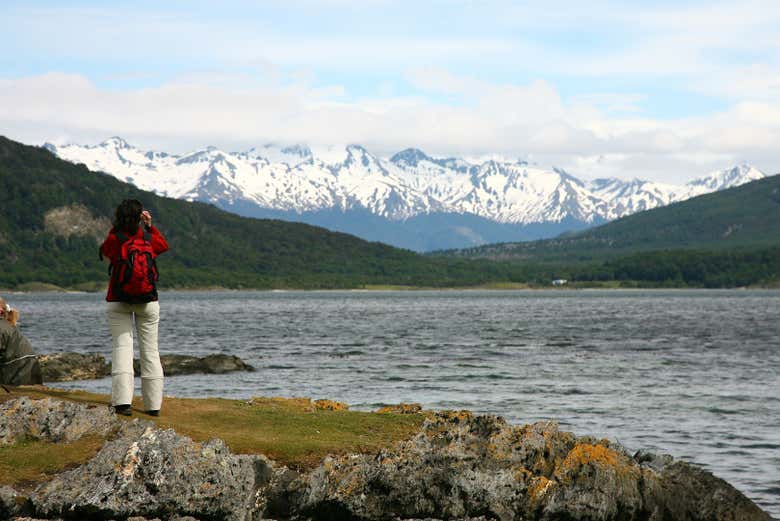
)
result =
(747, 216)
(54, 213)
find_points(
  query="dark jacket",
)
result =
(18, 362)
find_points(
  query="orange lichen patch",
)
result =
(456, 416)
(401, 408)
(582, 454)
(598, 455)
(538, 488)
(522, 474)
(330, 405)
(350, 486)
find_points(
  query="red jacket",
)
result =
(111, 248)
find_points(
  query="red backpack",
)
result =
(135, 274)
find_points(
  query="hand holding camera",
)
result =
(146, 218)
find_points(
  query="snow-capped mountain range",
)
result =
(317, 185)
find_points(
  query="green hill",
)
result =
(744, 217)
(724, 239)
(53, 214)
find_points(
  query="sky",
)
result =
(657, 90)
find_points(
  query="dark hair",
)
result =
(128, 215)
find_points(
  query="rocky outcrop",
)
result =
(9, 503)
(75, 219)
(174, 365)
(65, 367)
(459, 466)
(52, 420)
(151, 472)
(141, 469)
(462, 466)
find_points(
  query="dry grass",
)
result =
(289, 431)
(31, 462)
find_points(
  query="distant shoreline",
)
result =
(369, 288)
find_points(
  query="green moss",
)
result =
(33, 461)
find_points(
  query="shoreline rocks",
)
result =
(459, 466)
(462, 466)
(66, 367)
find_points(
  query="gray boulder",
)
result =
(174, 365)
(153, 473)
(685, 492)
(52, 420)
(9, 503)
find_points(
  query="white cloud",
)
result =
(511, 120)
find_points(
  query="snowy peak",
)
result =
(115, 142)
(290, 155)
(728, 178)
(301, 179)
(410, 157)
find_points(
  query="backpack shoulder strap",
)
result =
(122, 237)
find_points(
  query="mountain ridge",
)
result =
(298, 182)
(745, 216)
(54, 213)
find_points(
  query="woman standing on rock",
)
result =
(18, 362)
(132, 246)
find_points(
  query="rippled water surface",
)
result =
(690, 373)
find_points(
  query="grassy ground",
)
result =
(292, 432)
(31, 462)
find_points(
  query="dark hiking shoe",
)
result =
(153, 413)
(124, 410)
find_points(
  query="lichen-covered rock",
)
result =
(480, 518)
(52, 420)
(9, 503)
(133, 518)
(401, 408)
(594, 481)
(172, 518)
(330, 405)
(464, 466)
(459, 466)
(681, 491)
(156, 473)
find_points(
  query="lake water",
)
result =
(689, 373)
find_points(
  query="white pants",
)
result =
(120, 320)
